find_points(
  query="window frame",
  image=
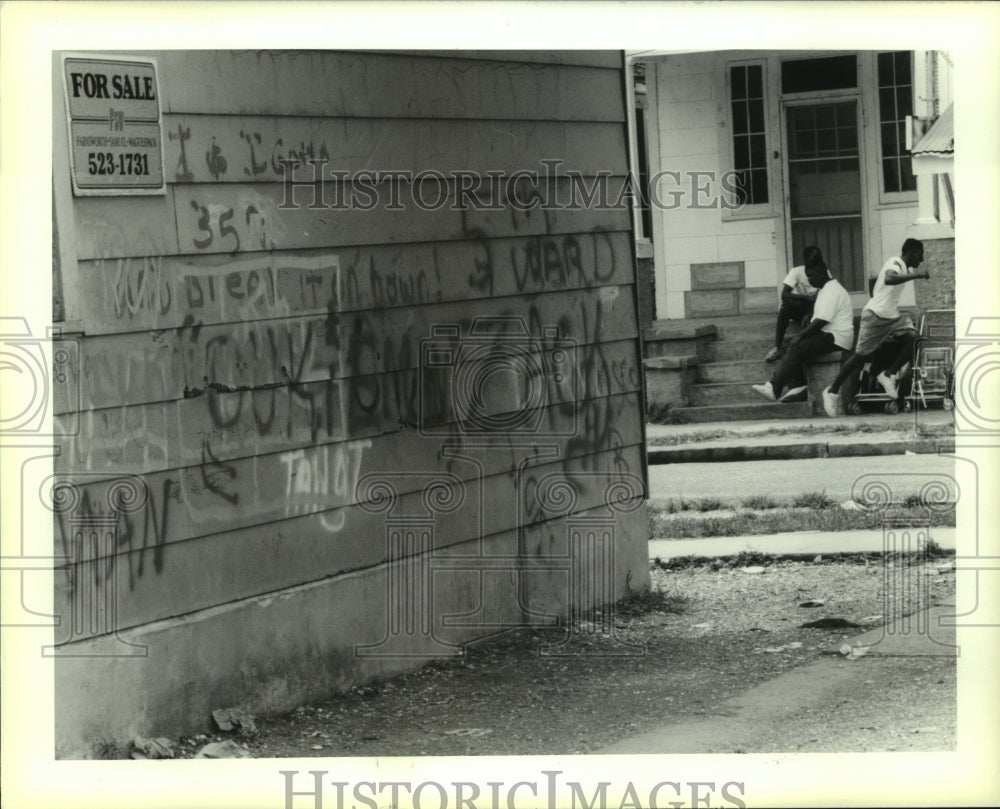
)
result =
(889, 197)
(760, 210)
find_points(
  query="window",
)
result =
(746, 86)
(895, 102)
(822, 73)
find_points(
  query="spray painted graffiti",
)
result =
(323, 479)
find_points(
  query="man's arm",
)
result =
(788, 295)
(815, 327)
(893, 278)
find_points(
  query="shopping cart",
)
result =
(934, 363)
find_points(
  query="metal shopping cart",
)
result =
(934, 362)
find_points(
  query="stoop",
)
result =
(702, 370)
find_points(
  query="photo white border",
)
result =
(29, 32)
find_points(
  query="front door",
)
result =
(824, 187)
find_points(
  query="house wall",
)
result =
(938, 291)
(254, 377)
(689, 97)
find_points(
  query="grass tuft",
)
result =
(663, 525)
(646, 601)
(759, 502)
(812, 500)
(709, 504)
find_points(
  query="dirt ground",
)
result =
(736, 628)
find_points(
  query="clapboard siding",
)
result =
(237, 149)
(253, 363)
(156, 366)
(223, 566)
(380, 85)
(249, 217)
(607, 59)
(162, 292)
(156, 436)
(195, 502)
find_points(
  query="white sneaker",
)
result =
(765, 390)
(791, 393)
(773, 354)
(830, 402)
(888, 384)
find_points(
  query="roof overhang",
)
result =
(934, 153)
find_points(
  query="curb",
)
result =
(797, 451)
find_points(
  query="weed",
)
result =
(760, 502)
(748, 558)
(934, 550)
(647, 600)
(664, 414)
(812, 500)
(108, 750)
(709, 504)
(781, 521)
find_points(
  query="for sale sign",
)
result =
(115, 131)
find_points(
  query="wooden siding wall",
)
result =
(253, 363)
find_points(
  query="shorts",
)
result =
(875, 330)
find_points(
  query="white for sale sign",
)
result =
(115, 128)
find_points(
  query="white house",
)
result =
(752, 155)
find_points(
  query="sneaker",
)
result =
(765, 390)
(888, 384)
(791, 393)
(773, 354)
(829, 402)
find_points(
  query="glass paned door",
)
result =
(824, 185)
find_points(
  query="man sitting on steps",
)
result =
(831, 328)
(798, 297)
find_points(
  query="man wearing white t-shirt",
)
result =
(798, 297)
(880, 321)
(831, 328)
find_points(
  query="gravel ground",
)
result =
(739, 627)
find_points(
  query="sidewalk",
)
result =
(922, 432)
(807, 543)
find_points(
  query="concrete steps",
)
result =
(752, 327)
(749, 371)
(735, 350)
(744, 411)
(724, 357)
(721, 393)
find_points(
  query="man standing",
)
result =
(881, 320)
(798, 297)
(831, 328)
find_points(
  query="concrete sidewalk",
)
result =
(922, 432)
(807, 543)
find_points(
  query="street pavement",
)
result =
(838, 477)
